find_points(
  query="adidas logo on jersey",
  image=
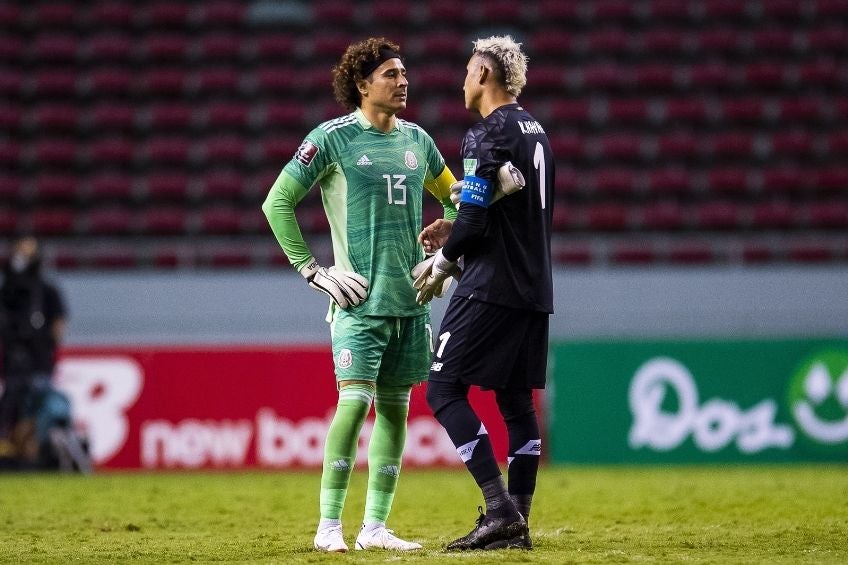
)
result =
(364, 160)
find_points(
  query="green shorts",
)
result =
(386, 350)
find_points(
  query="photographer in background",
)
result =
(32, 322)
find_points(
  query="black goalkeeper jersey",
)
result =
(507, 246)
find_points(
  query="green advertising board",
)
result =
(698, 401)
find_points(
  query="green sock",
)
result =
(385, 451)
(340, 447)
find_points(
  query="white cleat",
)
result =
(381, 538)
(330, 539)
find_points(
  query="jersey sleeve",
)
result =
(278, 207)
(309, 164)
(439, 177)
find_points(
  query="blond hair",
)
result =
(507, 54)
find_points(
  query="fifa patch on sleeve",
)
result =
(306, 152)
(477, 191)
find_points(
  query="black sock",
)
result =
(525, 445)
(522, 503)
(498, 501)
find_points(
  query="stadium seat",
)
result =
(55, 15)
(107, 184)
(275, 79)
(567, 146)
(227, 115)
(784, 179)
(571, 112)
(608, 41)
(110, 15)
(608, 216)
(232, 257)
(445, 11)
(573, 255)
(111, 219)
(55, 81)
(50, 152)
(615, 182)
(216, 80)
(837, 143)
(226, 148)
(730, 144)
(831, 178)
(52, 221)
(757, 253)
(655, 77)
(10, 186)
(10, 153)
(765, 75)
(11, 47)
(811, 251)
(792, 143)
(220, 46)
(620, 145)
(550, 42)
(633, 254)
(773, 214)
(109, 47)
(604, 76)
(55, 187)
(627, 110)
(109, 81)
(170, 149)
(223, 13)
(679, 144)
(709, 76)
(10, 15)
(55, 117)
(111, 151)
(391, 11)
(819, 72)
(717, 215)
(109, 116)
(689, 110)
(603, 11)
(11, 116)
(162, 81)
(224, 184)
(171, 116)
(165, 47)
(827, 214)
(11, 82)
(728, 180)
(220, 220)
(9, 221)
(165, 14)
(168, 220)
(333, 13)
(829, 37)
(773, 40)
(662, 40)
(273, 48)
(168, 185)
(691, 253)
(330, 46)
(54, 48)
(743, 110)
(805, 110)
(114, 257)
(663, 215)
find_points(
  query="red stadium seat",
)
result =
(224, 13)
(164, 14)
(831, 178)
(608, 216)
(279, 150)
(391, 11)
(54, 48)
(54, 152)
(789, 143)
(55, 187)
(573, 255)
(655, 76)
(220, 220)
(108, 220)
(170, 47)
(620, 145)
(765, 74)
(807, 109)
(662, 40)
(110, 185)
(627, 110)
(566, 218)
(691, 253)
(170, 149)
(663, 215)
(717, 215)
(831, 214)
(223, 184)
(277, 46)
(109, 47)
(330, 45)
(758, 253)
(11, 47)
(773, 214)
(109, 14)
(10, 186)
(709, 75)
(638, 253)
(11, 82)
(718, 40)
(108, 116)
(167, 220)
(731, 10)
(10, 14)
(168, 185)
(571, 112)
(176, 116)
(729, 144)
(743, 110)
(677, 144)
(608, 40)
(333, 13)
(669, 180)
(110, 81)
(218, 79)
(784, 179)
(791, 10)
(10, 153)
(58, 116)
(111, 151)
(232, 115)
(221, 46)
(55, 14)
(59, 81)
(728, 180)
(821, 72)
(550, 43)
(613, 181)
(274, 79)
(811, 251)
(559, 10)
(567, 146)
(10, 117)
(686, 110)
(829, 37)
(773, 40)
(9, 221)
(227, 148)
(837, 143)
(52, 221)
(232, 257)
(545, 76)
(611, 10)
(605, 76)
(120, 257)
(163, 81)
(445, 11)
(498, 12)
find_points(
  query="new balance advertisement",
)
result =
(701, 401)
(228, 407)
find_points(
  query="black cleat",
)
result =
(489, 531)
(518, 542)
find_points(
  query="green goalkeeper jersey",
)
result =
(372, 188)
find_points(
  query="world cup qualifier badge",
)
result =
(306, 153)
(344, 359)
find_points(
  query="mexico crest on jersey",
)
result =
(306, 152)
(410, 160)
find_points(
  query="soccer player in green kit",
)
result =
(372, 168)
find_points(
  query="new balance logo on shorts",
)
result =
(364, 160)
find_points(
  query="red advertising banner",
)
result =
(229, 407)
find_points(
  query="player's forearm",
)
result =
(467, 230)
(279, 210)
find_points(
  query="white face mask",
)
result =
(19, 262)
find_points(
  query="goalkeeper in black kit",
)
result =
(495, 332)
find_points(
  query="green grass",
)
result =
(754, 514)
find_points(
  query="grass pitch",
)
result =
(721, 514)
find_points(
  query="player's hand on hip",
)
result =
(433, 277)
(345, 288)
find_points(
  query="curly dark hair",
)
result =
(349, 70)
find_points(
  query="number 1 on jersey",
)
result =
(539, 164)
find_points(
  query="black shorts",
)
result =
(491, 346)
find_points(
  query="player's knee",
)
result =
(441, 395)
(515, 403)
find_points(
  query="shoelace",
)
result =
(482, 515)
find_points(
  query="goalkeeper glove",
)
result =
(510, 180)
(433, 277)
(345, 288)
(426, 266)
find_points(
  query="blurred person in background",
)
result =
(373, 170)
(32, 317)
(495, 332)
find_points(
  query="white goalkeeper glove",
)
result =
(426, 266)
(433, 278)
(510, 180)
(345, 288)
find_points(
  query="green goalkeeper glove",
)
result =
(345, 288)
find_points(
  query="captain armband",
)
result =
(477, 191)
